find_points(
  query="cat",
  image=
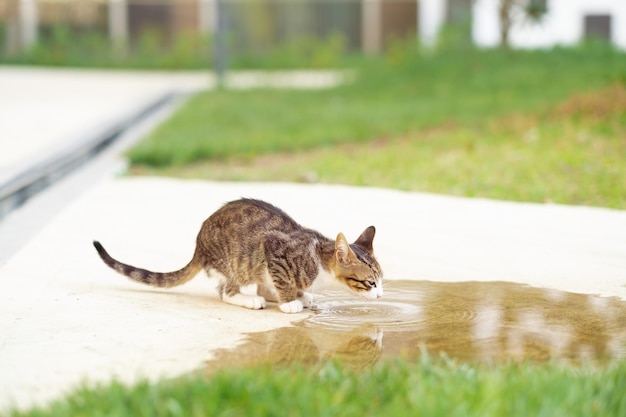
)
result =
(250, 241)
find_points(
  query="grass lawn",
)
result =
(518, 125)
(572, 154)
(428, 388)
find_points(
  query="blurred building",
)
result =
(565, 22)
(365, 25)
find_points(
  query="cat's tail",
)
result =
(157, 279)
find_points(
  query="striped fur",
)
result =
(252, 242)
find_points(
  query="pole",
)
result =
(28, 24)
(371, 32)
(118, 25)
(220, 48)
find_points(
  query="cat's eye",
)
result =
(372, 283)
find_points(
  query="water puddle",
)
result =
(468, 321)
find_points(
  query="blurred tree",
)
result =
(512, 12)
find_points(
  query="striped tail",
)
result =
(157, 279)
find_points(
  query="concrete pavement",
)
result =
(46, 109)
(66, 318)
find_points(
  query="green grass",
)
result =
(519, 125)
(561, 162)
(397, 388)
(406, 92)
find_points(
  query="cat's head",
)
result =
(356, 266)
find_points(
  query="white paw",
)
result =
(294, 306)
(307, 300)
(253, 302)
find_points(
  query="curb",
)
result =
(22, 183)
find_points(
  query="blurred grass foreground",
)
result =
(542, 126)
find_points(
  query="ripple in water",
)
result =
(387, 315)
(482, 320)
(401, 309)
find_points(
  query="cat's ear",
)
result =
(342, 249)
(366, 239)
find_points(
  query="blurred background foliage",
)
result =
(181, 34)
(62, 46)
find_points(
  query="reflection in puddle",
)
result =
(468, 321)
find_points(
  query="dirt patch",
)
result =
(600, 104)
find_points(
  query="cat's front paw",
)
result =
(294, 306)
(307, 300)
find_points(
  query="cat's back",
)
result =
(250, 217)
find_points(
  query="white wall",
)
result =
(431, 15)
(562, 25)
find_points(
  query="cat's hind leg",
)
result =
(253, 302)
(232, 294)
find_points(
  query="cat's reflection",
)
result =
(357, 349)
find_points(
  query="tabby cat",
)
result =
(253, 242)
